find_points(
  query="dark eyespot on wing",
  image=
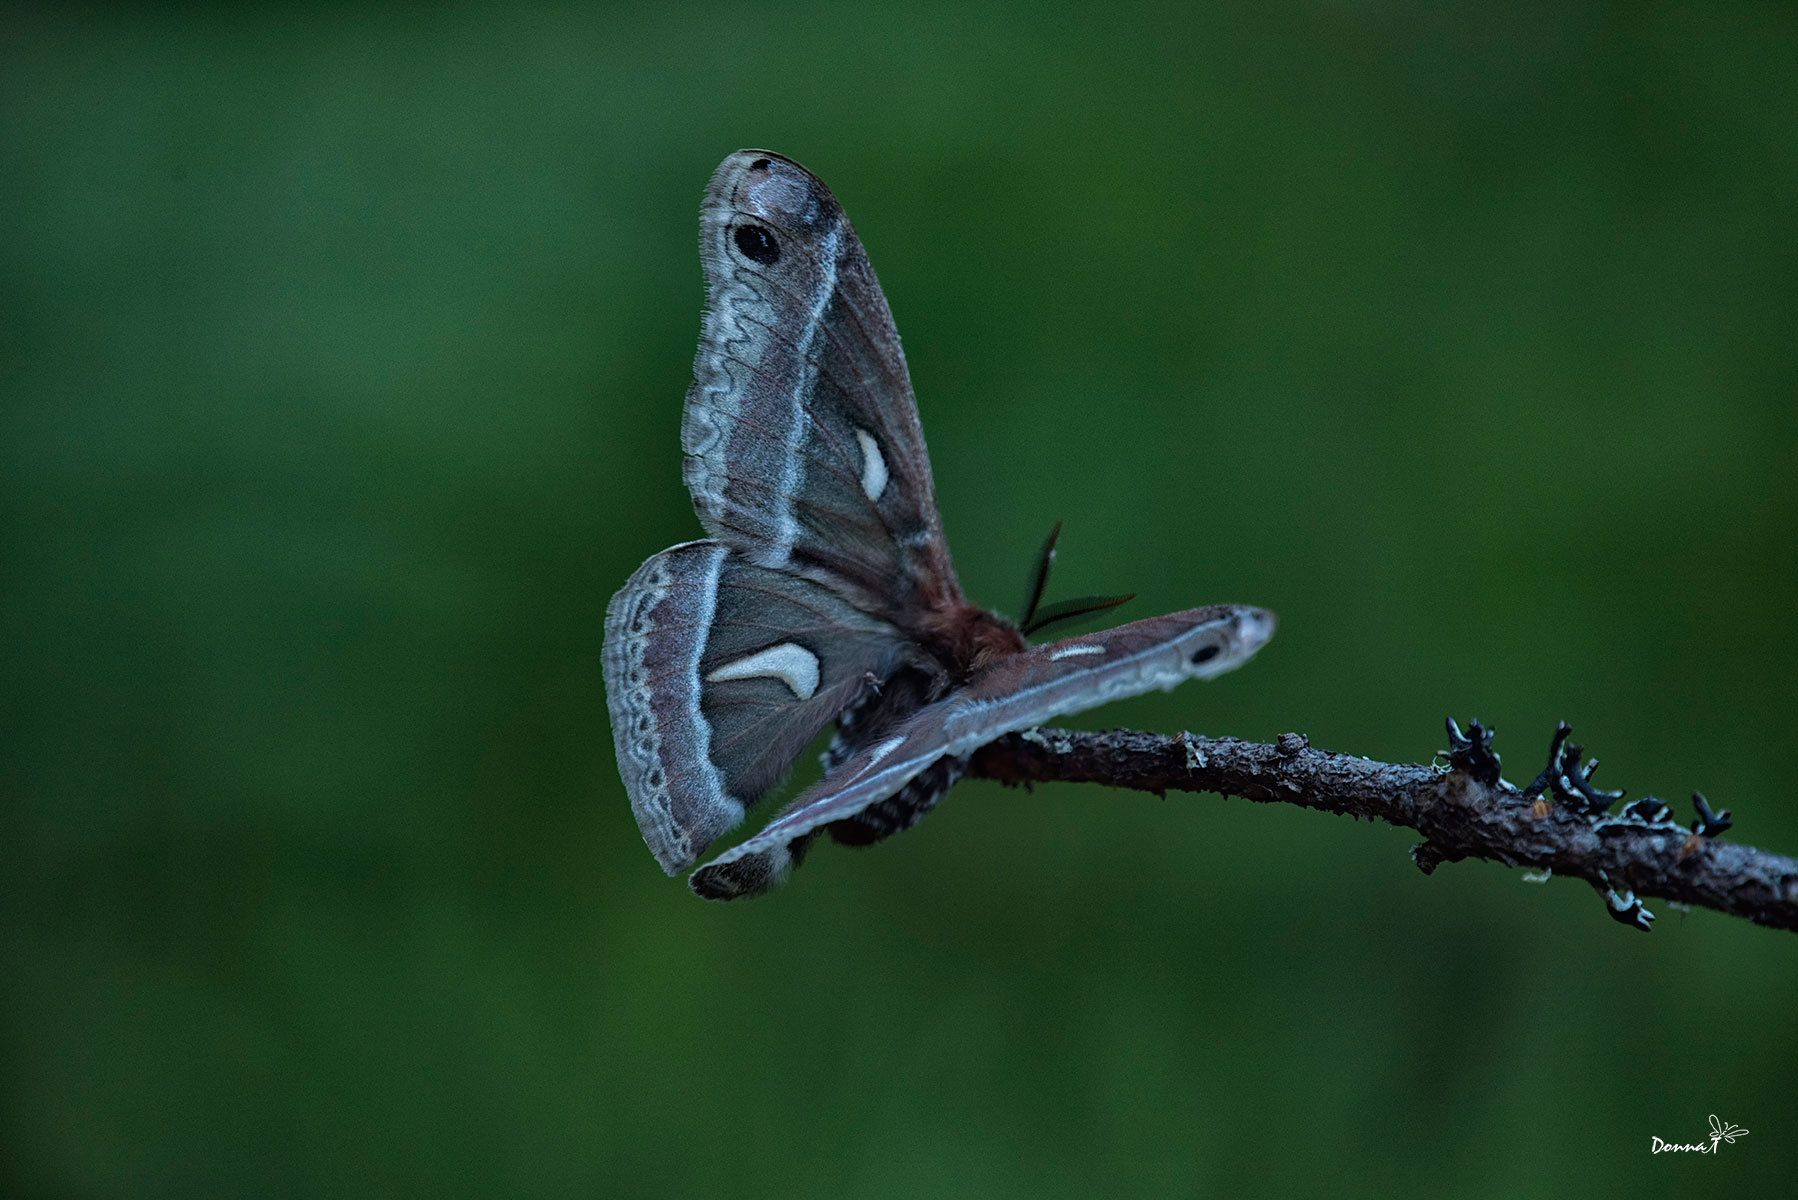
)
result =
(760, 164)
(1205, 654)
(757, 244)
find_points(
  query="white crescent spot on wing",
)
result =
(885, 748)
(788, 662)
(1074, 651)
(874, 465)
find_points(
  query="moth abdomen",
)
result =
(903, 809)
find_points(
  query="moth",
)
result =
(825, 592)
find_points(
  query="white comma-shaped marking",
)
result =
(788, 662)
(874, 466)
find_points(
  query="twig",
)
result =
(1463, 810)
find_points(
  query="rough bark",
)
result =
(1464, 809)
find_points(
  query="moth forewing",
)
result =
(1079, 673)
(805, 452)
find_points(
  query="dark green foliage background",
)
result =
(342, 358)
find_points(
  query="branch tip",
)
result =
(1709, 824)
(1626, 909)
(1472, 751)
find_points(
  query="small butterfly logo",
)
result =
(1723, 1131)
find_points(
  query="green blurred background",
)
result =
(343, 355)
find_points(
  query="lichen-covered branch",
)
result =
(1560, 823)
